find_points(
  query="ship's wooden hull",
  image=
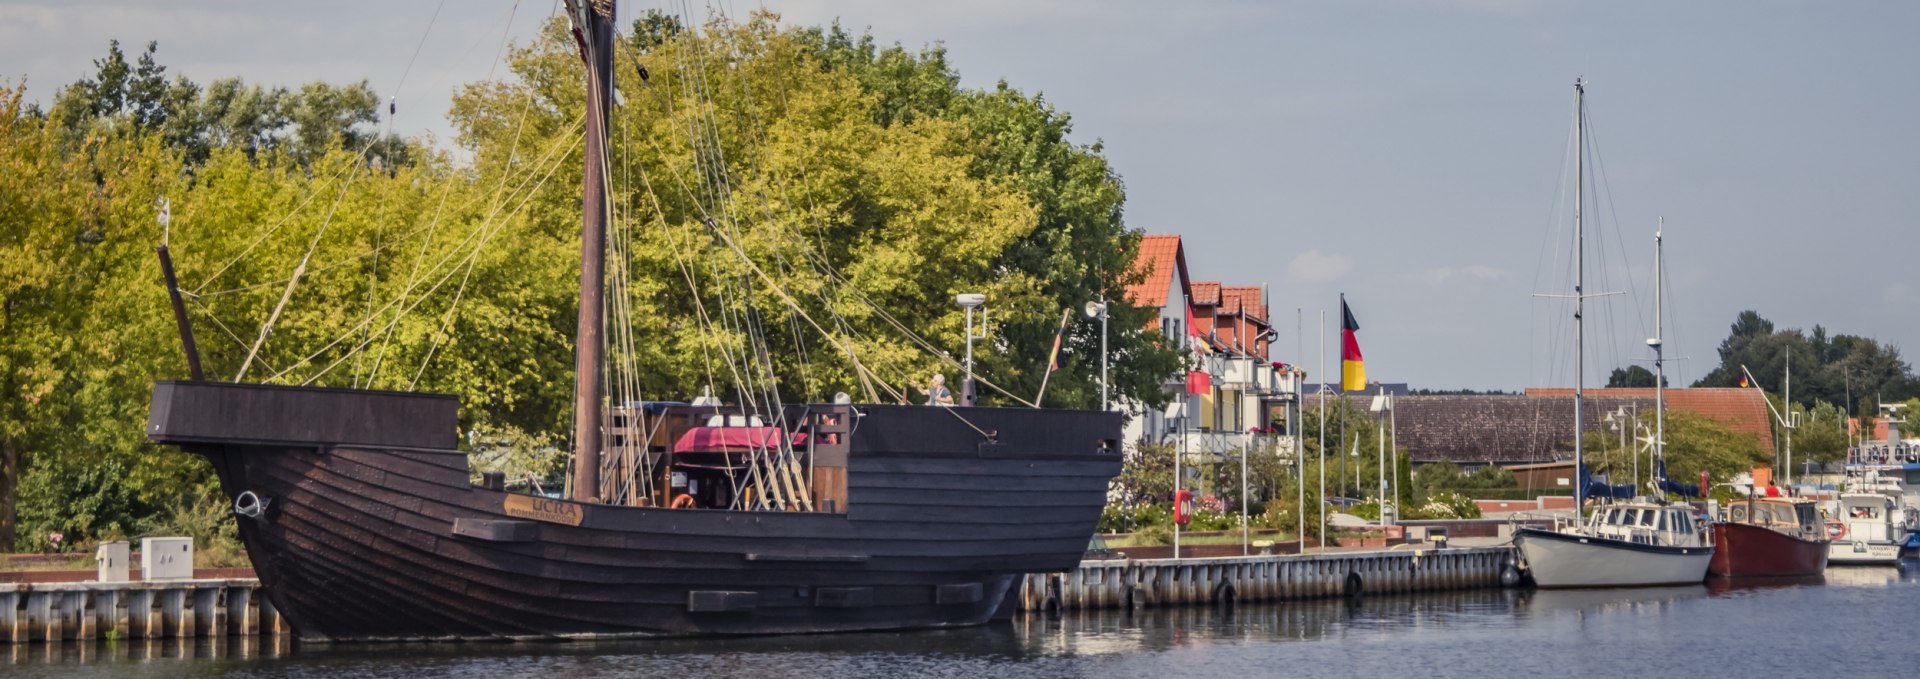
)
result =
(1745, 550)
(363, 541)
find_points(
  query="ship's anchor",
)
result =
(252, 506)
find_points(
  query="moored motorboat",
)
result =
(1867, 530)
(1629, 544)
(1772, 536)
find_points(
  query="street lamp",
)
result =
(1098, 309)
(970, 301)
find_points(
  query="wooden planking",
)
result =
(830, 488)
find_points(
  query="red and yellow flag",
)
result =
(1353, 368)
(1743, 381)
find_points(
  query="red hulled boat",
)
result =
(1769, 536)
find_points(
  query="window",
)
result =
(1646, 516)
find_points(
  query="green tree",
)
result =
(1079, 250)
(1830, 369)
(1632, 376)
(773, 213)
(1821, 437)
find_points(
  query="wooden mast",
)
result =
(593, 29)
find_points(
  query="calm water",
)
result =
(1855, 622)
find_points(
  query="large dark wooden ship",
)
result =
(365, 521)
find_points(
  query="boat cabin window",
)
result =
(1660, 521)
(1807, 516)
(1646, 517)
(1683, 522)
(1863, 512)
(1737, 513)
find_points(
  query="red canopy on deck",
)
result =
(732, 439)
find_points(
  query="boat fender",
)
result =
(1509, 577)
(1354, 587)
(1224, 594)
(683, 501)
(251, 505)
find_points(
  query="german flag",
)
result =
(1353, 368)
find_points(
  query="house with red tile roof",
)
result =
(1227, 328)
(1165, 285)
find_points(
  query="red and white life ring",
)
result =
(1836, 530)
(1182, 506)
(684, 501)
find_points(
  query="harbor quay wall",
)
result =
(181, 609)
(1123, 583)
(176, 609)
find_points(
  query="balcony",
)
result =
(1226, 445)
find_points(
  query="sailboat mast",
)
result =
(1787, 397)
(1579, 301)
(1659, 357)
(593, 28)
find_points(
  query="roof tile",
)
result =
(1159, 257)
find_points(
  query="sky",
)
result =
(1412, 155)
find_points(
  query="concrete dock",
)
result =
(170, 609)
(1121, 583)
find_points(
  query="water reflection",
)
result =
(1755, 585)
(1874, 576)
(150, 651)
(1435, 634)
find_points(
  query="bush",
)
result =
(1123, 518)
(1208, 519)
(1154, 535)
(1369, 510)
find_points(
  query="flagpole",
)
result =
(1381, 424)
(1052, 357)
(1178, 480)
(1393, 446)
(1293, 427)
(1320, 513)
(1343, 396)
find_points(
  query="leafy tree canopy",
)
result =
(1826, 369)
(780, 196)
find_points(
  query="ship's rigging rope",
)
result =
(723, 298)
(481, 235)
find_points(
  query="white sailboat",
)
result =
(1627, 544)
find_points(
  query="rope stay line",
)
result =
(489, 226)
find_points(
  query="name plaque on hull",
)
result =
(545, 509)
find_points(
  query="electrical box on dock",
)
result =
(166, 558)
(112, 558)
